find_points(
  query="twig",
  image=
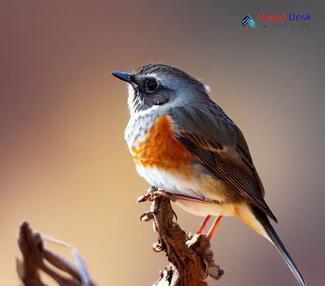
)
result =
(190, 256)
(34, 257)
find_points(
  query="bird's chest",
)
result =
(152, 144)
(164, 162)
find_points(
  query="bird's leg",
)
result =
(214, 227)
(203, 225)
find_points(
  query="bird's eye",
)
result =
(151, 85)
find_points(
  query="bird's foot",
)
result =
(148, 196)
(154, 192)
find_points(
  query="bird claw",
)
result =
(153, 193)
(144, 198)
(149, 196)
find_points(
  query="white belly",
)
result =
(176, 184)
(171, 183)
(206, 208)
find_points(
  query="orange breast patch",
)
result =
(161, 149)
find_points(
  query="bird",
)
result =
(184, 144)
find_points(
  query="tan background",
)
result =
(65, 167)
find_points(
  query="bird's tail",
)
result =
(260, 223)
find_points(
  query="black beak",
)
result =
(123, 76)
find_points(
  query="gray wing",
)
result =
(219, 145)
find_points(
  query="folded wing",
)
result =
(218, 144)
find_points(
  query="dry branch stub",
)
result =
(191, 259)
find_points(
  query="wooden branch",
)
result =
(34, 256)
(190, 257)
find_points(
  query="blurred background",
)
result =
(64, 166)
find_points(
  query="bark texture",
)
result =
(190, 257)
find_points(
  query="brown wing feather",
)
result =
(226, 155)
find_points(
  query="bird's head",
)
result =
(157, 86)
